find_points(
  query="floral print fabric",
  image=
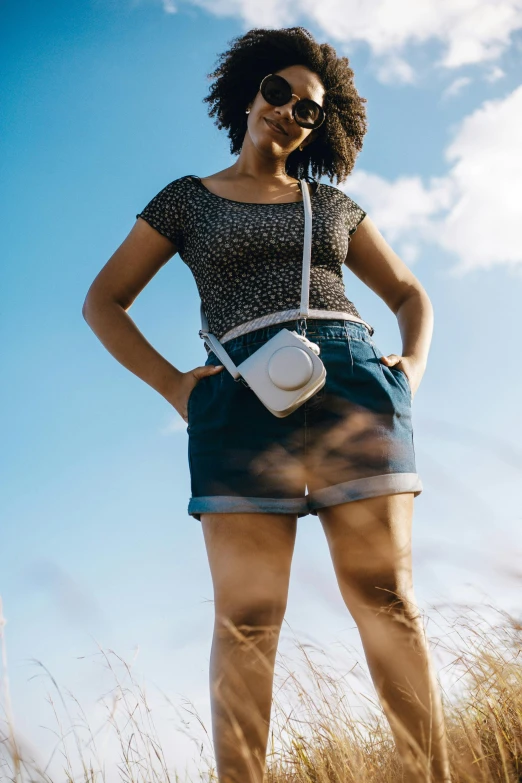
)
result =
(247, 258)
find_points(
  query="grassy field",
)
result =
(316, 735)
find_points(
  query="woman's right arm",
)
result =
(124, 276)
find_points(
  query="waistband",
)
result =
(327, 327)
(284, 316)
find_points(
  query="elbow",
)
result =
(411, 292)
(95, 304)
(90, 307)
(424, 298)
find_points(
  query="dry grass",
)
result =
(318, 732)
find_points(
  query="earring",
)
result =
(301, 147)
(247, 111)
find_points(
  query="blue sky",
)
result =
(102, 108)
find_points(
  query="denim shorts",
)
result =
(352, 440)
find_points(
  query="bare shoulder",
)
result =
(221, 184)
(374, 261)
(219, 178)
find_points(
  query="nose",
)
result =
(286, 110)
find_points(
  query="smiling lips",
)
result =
(275, 127)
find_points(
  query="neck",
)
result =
(259, 165)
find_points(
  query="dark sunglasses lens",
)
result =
(308, 113)
(276, 90)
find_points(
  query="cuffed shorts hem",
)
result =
(232, 504)
(357, 489)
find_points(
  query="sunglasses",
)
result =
(276, 91)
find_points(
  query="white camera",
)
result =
(284, 372)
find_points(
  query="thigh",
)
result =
(370, 545)
(250, 556)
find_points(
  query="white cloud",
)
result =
(269, 13)
(403, 209)
(456, 86)
(495, 74)
(395, 69)
(470, 31)
(475, 211)
(485, 225)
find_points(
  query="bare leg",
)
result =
(250, 557)
(370, 544)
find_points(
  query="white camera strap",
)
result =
(212, 341)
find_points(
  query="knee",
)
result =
(250, 616)
(382, 596)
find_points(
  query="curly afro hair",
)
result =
(259, 52)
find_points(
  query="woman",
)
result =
(291, 110)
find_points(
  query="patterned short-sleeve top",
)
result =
(247, 258)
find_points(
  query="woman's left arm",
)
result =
(375, 263)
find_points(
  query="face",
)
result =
(304, 84)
